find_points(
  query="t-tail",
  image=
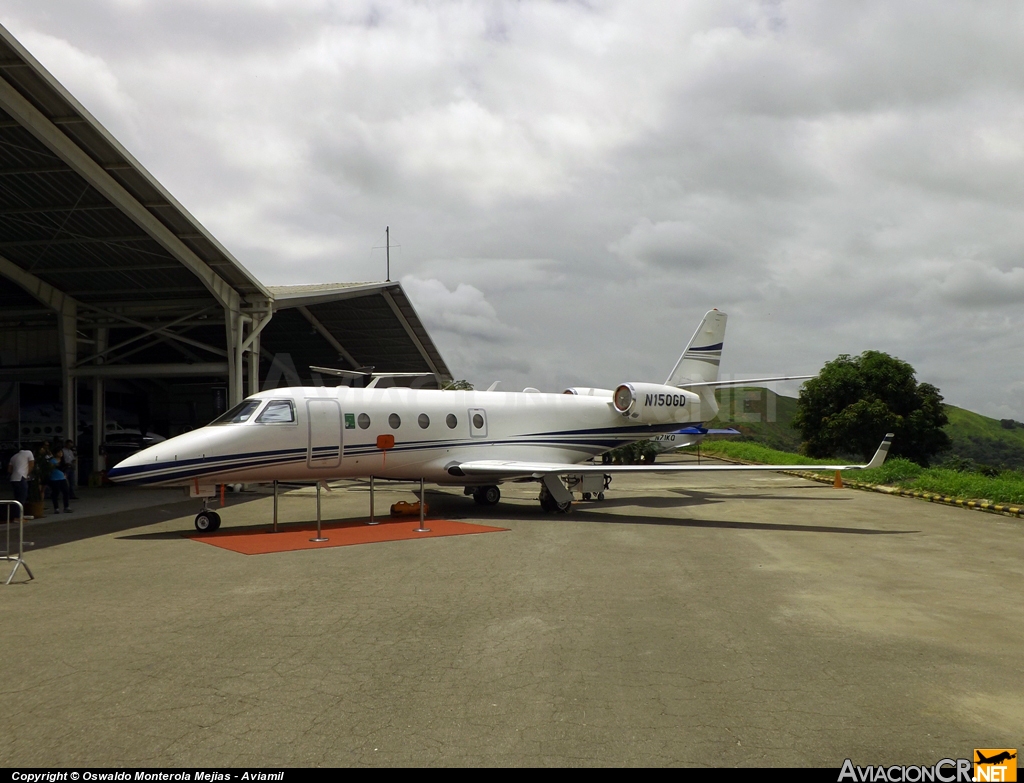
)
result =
(697, 369)
(698, 366)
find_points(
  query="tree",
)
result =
(854, 401)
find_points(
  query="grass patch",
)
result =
(1007, 487)
(755, 452)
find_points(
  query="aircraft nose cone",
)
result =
(123, 470)
(132, 466)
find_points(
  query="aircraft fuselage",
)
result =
(336, 433)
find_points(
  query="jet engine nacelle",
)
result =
(654, 403)
(587, 391)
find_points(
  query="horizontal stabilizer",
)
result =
(745, 381)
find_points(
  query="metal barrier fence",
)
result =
(19, 561)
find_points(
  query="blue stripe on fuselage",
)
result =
(595, 441)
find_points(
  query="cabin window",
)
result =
(424, 420)
(363, 420)
(278, 412)
(395, 421)
(240, 413)
(478, 421)
(451, 421)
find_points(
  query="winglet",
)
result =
(882, 453)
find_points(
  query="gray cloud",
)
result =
(577, 183)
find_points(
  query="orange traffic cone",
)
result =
(838, 483)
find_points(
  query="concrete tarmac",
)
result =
(729, 619)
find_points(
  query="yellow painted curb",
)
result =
(976, 505)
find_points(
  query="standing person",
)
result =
(20, 468)
(43, 456)
(58, 483)
(71, 467)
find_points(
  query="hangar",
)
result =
(118, 309)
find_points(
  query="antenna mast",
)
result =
(387, 245)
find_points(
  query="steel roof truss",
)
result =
(409, 331)
(314, 321)
(158, 339)
(160, 329)
(52, 297)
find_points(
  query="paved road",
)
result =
(738, 620)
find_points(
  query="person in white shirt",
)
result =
(70, 466)
(20, 468)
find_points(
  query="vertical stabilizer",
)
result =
(699, 362)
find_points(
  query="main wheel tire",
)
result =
(205, 521)
(548, 503)
(216, 520)
(491, 495)
(564, 508)
(478, 496)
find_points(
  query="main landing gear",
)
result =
(207, 521)
(549, 504)
(487, 496)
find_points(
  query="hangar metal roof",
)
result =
(372, 323)
(80, 214)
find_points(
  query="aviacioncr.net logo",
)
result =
(944, 771)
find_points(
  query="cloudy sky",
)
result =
(573, 184)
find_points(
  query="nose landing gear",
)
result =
(206, 520)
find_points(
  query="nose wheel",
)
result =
(206, 520)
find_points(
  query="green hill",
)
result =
(765, 417)
(760, 414)
(985, 440)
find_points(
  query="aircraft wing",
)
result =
(521, 469)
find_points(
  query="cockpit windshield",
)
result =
(277, 412)
(239, 414)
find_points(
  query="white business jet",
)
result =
(475, 439)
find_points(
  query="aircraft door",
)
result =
(478, 422)
(324, 418)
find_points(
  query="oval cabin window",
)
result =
(395, 421)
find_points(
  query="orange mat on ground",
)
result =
(289, 538)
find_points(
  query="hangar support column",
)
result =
(99, 401)
(66, 309)
(67, 331)
(257, 323)
(239, 343)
